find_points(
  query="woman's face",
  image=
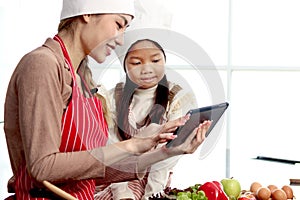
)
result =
(145, 64)
(103, 33)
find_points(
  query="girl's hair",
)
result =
(160, 104)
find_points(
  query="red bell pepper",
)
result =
(214, 191)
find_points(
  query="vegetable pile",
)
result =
(227, 189)
(190, 193)
(207, 191)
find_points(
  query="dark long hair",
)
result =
(160, 104)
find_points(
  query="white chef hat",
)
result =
(72, 8)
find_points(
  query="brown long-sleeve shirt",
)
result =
(38, 93)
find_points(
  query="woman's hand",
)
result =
(192, 142)
(155, 133)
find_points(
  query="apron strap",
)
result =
(66, 55)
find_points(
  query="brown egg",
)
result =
(288, 191)
(278, 194)
(272, 187)
(263, 193)
(254, 186)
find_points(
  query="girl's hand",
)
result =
(192, 142)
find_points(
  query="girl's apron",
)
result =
(104, 192)
(83, 128)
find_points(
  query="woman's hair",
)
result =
(66, 24)
(160, 104)
(86, 74)
(69, 24)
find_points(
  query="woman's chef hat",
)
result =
(72, 8)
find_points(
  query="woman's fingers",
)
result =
(162, 133)
(171, 126)
(164, 137)
(151, 130)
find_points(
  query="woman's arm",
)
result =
(134, 167)
(152, 136)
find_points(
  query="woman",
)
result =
(146, 97)
(55, 129)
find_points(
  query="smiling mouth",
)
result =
(109, 48)
(148, 79)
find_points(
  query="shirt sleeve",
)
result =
(158, 176)
(113, 136)
(182, 102)
(121, 191)
(124, 170)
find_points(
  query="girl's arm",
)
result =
(188, 147)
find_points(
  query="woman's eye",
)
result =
(156, 60)
(119, 25)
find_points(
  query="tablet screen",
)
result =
(198, 116)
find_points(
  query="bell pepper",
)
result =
(214, 191)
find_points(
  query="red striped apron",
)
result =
(83, 128)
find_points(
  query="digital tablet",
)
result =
(198, 116)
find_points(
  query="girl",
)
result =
(146, 97)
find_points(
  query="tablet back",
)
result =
(198, 116)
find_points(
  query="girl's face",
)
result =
(145, 64)
(103, 33)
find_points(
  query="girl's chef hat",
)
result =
(72, 8)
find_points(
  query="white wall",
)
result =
(254, 44)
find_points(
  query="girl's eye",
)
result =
(135, 63)
(156, 60)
